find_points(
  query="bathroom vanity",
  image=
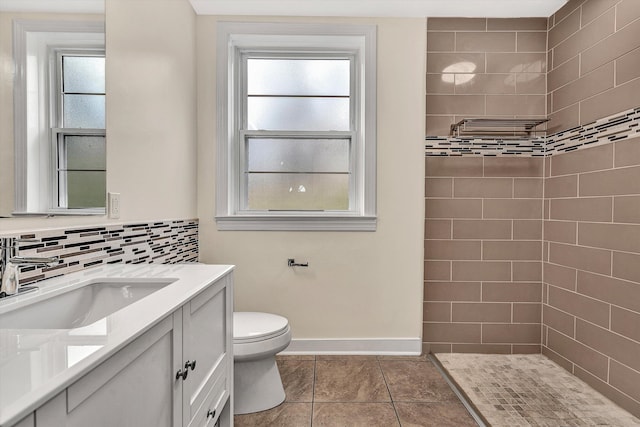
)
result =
(134, 345)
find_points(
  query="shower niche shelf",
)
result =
(498, 128)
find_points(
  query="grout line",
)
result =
(393, 403)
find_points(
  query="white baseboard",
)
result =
(365, 346)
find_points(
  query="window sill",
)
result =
(301, 223)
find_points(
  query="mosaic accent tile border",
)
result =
(609, 129)
(163, 242)
(530, 390)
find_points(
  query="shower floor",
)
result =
(530, 390)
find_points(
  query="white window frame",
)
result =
(357, 40)
(34, 115)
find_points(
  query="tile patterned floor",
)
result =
(367, 391)
(530, 390)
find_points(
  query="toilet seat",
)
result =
(249, 327)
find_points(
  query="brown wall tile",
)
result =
(579, 306)
(626, 209)
(485, 84)
(555, 357)
(561, 186)
(531, 83)
(621, 399)
(519, 24)
(481, 229)
(452, 291)
(516, 63)
(569, 26)
(483, 187)
(511, 250)
(527, 229)
(565, 73)
(438, 125)
(621, 349)
(452, 249)
(511, 333)
(620, 237)
(559, 320)
(559, 275)
(513, 167)
(511, 292)
(607, 49)
(525, 188)
(438, 187)
(480, 312)
(582, 209)
(627, 11)
(612, 182)
(593, 9)
(441, 41)
(627, 67)
(437, 270)
(456, 104)
(627, 152)
(482, 348)
(512, 208)
(481, 270)
(590, 84)
(453, 208)
(609, 289)
(587, 36)
(590, 159)
(436, 311)
(486, 41)
(437, 229)
(588, 259)
(560, 231)
(625, 379)
(625, 266)
(625, 322)
(527, 312)
(531, 41)
(563, 119)
(566, 10)
(447, 62)
(459, 24)
(520, 105)
(436, 84)
(453, 166)
(610, 102)
(580, 354)
(524, 271)
(451, 332)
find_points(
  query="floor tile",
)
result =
(284, 415)
(345, 380)
(354, 415)
(434, 414)
(411, 381)
(297, 379)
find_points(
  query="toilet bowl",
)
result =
(257, 337)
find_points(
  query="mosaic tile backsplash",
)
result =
(613, 128)
(163, 242)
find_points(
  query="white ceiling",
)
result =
(391, 8)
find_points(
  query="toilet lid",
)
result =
(252, 326)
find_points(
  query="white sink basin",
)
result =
(80, 306)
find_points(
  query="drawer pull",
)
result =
(190, 364)
(211, 414)
(182, 374)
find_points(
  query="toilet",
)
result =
(257, 337)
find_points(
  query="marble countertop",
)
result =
(37, 364)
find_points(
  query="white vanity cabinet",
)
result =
(178, 373)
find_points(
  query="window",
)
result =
(59, 98)
(296, 123)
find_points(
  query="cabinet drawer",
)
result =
(211, 408)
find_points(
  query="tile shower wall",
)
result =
(479, 67)
(483, 252)
(593, 57)
(591, 307)
(164, 242)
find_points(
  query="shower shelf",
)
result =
(502, 128)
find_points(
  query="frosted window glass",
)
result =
(86, 189)
(84, 111)
(328, 77)
(85, 152)
(287, 113)
(302, 192)
(83, 74)
(298, 155)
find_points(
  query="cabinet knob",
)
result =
(182, 374)
(190, 364)
(211, 414)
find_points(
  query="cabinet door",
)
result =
(205, 341)
(135, 387)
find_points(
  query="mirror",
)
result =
(52, 131)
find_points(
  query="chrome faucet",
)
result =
(10, 263)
